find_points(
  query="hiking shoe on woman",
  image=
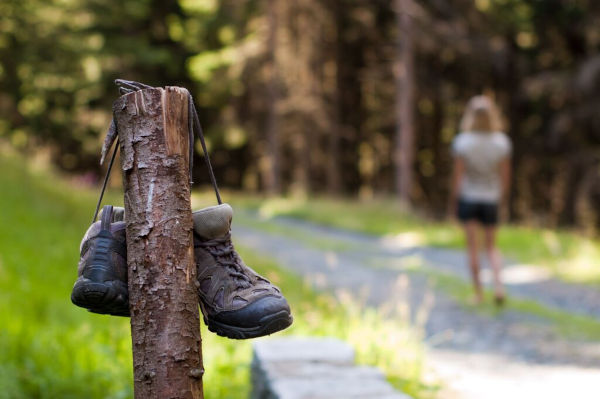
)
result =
(101, 286)
(236, 302)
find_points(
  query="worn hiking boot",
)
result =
(236, 302)
(101, 286)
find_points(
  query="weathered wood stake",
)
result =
(165, 326)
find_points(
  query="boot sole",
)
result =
(267, 325)
(109, 297)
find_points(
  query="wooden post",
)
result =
(165, 326)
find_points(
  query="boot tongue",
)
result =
(118, 214)
(213, 222)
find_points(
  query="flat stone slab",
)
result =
(314, 368)
(300, 349)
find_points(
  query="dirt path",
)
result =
(505, 355)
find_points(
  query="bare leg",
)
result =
(495, 261)
(473, 252)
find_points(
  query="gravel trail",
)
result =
(477, 356)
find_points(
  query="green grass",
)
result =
(565, 324)
(52, 349)
(570, 256)
(49, 348)
(381, 338)
(267, 225)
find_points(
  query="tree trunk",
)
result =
(271, 167)
(165, 325)
(334, 178)
(404, 71)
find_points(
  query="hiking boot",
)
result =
(101, 286)
(236, 302)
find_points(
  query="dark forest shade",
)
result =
(301, 96)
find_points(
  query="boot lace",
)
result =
(223, 251)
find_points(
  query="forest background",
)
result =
(322, 97)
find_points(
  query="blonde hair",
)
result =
(481, 115)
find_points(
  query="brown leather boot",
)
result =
(236, 302)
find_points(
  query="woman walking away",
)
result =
(480, 184)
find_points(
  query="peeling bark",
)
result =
(165, 325)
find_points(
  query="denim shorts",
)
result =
(484, 212)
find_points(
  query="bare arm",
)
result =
(457, 175)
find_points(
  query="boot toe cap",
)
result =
(265, 316)
(255, 313)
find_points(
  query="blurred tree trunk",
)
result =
(303, 27)
(351, 47)
(404, 72)
(439, 178)
(522, 165)
(270, 165)
(586, 215)
(334, 182)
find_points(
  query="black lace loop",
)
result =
(194, 122)
(126, 87)
(112, 160)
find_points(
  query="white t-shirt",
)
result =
(482, 153)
